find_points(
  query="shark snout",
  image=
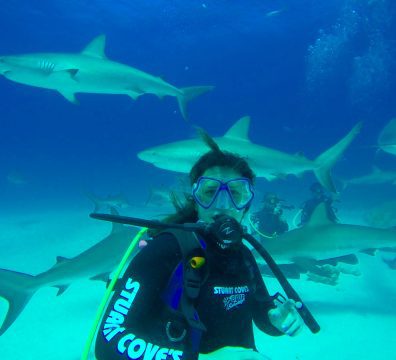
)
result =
(147, 155)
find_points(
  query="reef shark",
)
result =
(322, 239)
(95, 263)
(319, 239)
(266, 162)
(118, 201)
(91, 72)
(376, 177)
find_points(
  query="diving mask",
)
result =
(210, 192)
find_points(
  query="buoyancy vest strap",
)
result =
(193, 278)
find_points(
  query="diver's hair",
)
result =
(186, 211)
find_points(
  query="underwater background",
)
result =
(305, 71)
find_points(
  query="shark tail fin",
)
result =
(17, 288)
(328, 158)
(188, 94)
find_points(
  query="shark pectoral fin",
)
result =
(64, 74)
(61, 289)
(133, 95)
(73, 73)
(102, 277)
(69, 96)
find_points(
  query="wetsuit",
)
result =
(234, 294)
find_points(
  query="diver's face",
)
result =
(224, 204)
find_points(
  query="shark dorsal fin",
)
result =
(319, 216)
(239, 130)
(96, 48)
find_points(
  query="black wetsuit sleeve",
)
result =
(262, 303)
(136, 301)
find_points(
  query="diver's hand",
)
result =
(229, 352)
(286, 318)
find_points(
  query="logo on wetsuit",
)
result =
(135, 348)
(237, 295)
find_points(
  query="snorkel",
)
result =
(229, 232)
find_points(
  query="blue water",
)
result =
(305, 75)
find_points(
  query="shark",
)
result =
(319, 239)
(387, 138)
(376, 177)
(322, 239)
(269, 163)
(95, 263)
(111, 201)
(90, 71)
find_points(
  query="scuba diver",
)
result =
(186, 296)
(269, 221)
(319, 196)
